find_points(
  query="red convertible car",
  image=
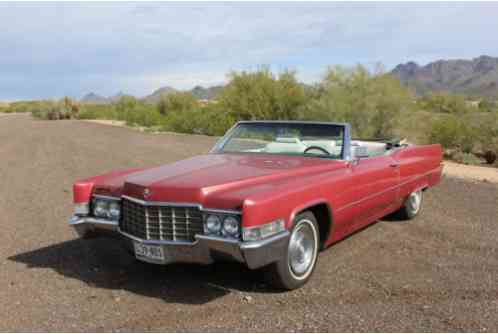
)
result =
(270, 194)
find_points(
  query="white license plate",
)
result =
(149, 252)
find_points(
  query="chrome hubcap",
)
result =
(302, 248)
(414, 201)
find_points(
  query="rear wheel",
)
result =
(412, 205)
(299, 262)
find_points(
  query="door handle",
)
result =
(394, 164)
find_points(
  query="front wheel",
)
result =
(299, 262)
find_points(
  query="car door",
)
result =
(375, 188)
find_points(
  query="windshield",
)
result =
(304, 139)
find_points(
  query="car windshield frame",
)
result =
(220, 146)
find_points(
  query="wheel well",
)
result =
(323, 215)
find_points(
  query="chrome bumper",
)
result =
(204, 250)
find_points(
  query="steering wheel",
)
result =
(316, 148)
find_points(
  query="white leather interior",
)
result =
(359, 148)
(294, 145)
(285, 145)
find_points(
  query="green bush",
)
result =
(97, 111)
(143, 115)
(63, 109)
(445, 103)
(486, 105)
(372, 103)
(262, 95)
(466, 158)
(177, 101)
(214, 122)
(205, 120)
(453, 133)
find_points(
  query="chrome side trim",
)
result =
(180, 204)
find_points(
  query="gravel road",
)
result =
(436, 273)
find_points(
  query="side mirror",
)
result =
(360, 152)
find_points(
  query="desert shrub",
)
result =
(177, 102)
(453, 133)
(488, 139)
(214, 122)
(182, 121)
(124, 107)
(262, 95)
(372, 103)
(445, 103)
(143, 115)
(466, 158)
(97, 111)
(28, 106)
(127, 109)
(51, 110)
(486, 105)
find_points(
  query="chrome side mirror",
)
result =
(360, 152)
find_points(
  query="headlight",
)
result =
(114, 210)
(231, 227)
(107, 208)
(213, 224)
(263, 231)
(100, 208)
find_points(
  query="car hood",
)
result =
(217, 180)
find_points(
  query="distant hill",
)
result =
(199, 92)
(115, 98)
(156, 95)
(209, 93)
(93, 98)
(478, 77)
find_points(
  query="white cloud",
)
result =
(137, 47)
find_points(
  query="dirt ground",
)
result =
(436, 273)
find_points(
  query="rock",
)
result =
(247, 299)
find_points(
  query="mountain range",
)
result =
(475, 77)
(201, 93)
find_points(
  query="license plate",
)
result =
(149, 252)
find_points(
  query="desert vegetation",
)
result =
(375, 103)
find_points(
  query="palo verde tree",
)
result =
(372, 103)
(262, 95)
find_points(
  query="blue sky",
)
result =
(50, 50)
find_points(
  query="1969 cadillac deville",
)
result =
(269, 194)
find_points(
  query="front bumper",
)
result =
(204, 250)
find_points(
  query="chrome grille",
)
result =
(154, 222)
